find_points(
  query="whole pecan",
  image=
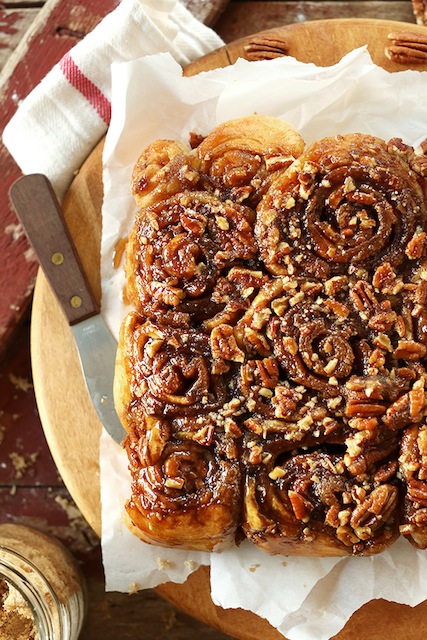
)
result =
(374, 511)
(408, 48)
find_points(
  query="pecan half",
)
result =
(265, 47)
(300, 506)
(407, 48)
(374, 511)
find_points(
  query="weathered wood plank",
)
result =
(57, 27)
(13, 24)
(245, 18)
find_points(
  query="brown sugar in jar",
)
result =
(42, 592)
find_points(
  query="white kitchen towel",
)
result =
(59, 123)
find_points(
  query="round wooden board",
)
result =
(70, 423)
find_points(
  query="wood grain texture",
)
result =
(14, 22)
(245, 18)
(207, 11)
(70, 423)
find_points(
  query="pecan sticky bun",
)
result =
(348, 203)
(271, 376)
(182, 449)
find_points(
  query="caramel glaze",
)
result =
(271, 375)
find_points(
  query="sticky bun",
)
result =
(271, 374)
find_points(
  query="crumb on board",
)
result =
(21, 384)
(22, 463)
(72, 511)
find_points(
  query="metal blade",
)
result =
(97, 352)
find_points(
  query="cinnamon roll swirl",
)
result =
(163, 169)
(271, 375)
(349, 202)
(164, 371)
(184, 494)
(179, 247)
(241, 157)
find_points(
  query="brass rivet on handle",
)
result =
(57, 258)
(76, 302)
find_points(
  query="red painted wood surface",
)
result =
(57, 27)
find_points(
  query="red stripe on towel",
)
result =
(86, 87)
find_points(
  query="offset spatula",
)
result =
(40, 214)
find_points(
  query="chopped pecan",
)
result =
(331, 517)
(416, 247)
(285, 400)
(364, 299)
(363, 451)
(408, 408)
(386, 280)
(254, 426)
(417, 492)
(255, 342)
(396, 145)
(346, 535)
(419, 164)
(335, 284)
(338, 308)
(384, 275)
(383, 321)
(257, 375)
(363, 424)
(364, 396)
(300, 506)
(420, 295)
(410, 350)
(204, 435)
(224, 345)
(386, 472)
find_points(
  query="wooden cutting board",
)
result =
(70, 423)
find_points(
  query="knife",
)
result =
(39, 212)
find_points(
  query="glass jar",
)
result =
(42, 592)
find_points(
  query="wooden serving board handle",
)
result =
(73, 430)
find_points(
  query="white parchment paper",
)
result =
(304, 598)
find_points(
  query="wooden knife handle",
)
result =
(40, 214)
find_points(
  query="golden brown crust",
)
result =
(188, 496)
(241, 157)
(161, 171)
(272, 374)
